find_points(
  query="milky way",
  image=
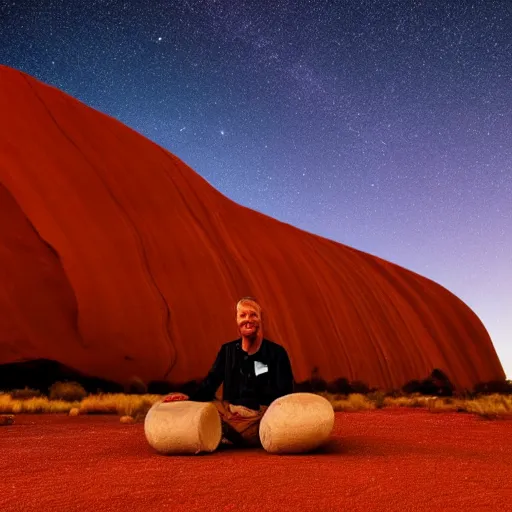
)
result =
(383, 125)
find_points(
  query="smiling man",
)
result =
(254, 372)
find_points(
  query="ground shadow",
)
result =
(331, 447)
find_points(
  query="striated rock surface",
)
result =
(119, 260)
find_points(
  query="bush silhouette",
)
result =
(442, 383)
(378, 398)
(359, 387)
(159, 387)
(339, 386)
(67, 391)
(302, 387)
(316, 382)
(136, 386)
(494, 386)
(413, 386)
(437, 384)
(25, 394)
(188, 388)
(164, 387)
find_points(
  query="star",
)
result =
(421, 131)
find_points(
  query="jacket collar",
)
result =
(260, 350)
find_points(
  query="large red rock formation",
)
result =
(119, 260)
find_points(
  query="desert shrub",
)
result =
(417, 388)
(136, 386)
(159, 387)
(418, 402)
(429, 387)
(17, 407)
(188, 388)
(34, 405)
(316, 382)
(359, 387)
(104, 403)
(377, 397)
(341, 386)
(415, 400)
(464, 394)
(6, 403)
(413, 386)
(493, 387)
(446, 404)
(318, 385)
(395, 393)
(315, 385)
(492, 406)
(146, 404)
(302, 387)
(353, 402)
(118, 403)
(67, 391)
(163, 387)
(437, 384)
(25, 394)
(441, 383)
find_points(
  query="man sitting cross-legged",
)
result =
(254, 371)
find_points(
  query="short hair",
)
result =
(244, 300)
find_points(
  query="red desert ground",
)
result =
(118, 260)
(384, 460)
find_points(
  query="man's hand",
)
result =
(175, 397)
(244, 412)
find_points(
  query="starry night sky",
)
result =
(383, 125)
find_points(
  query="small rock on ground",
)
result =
(6, 419)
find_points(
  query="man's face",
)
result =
(248, 319)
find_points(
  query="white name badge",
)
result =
(260, 368)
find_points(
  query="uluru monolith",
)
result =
(119, 260)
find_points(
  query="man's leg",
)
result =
(240, 425)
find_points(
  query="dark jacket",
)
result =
(249, 380)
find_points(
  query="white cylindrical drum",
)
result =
(296, 423)
(183, 427)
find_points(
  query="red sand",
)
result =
(403, 460)
(119, 260)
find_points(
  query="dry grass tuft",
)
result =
(135, 406)
(491, 406)
(353, 402)
(487, 406)
(415, 400)
(9, 405)
(122, 404)
(22, 394)
(494, 406)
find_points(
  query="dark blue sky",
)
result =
(384, 125)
